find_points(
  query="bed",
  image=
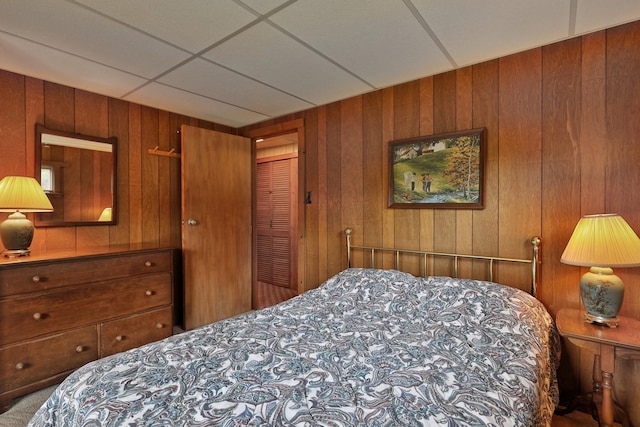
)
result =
(369, 347)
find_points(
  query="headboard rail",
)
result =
(534, 260)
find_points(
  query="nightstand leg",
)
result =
(602, 397)
(606, 412)
(607, 362)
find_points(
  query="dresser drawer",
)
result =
(26, 363)
(33, 316)
(130, 332)
(37, 276)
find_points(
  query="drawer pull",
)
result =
(35, 278)
(149, 293)
(37, 316)
(148, 263)
(79, 349)
(119, 338)
(159, 326)
(19, 366)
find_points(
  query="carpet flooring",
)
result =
(23, 408)
(269, 295)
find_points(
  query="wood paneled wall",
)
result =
(562, 125)
(148, 186)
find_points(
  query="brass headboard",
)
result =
(534, 260)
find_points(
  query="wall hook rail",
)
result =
(170, 153)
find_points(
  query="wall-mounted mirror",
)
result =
(78, 174)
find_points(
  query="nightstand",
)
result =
(607, 345)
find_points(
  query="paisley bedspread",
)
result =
(367, 348)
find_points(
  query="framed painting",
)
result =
(438, 171)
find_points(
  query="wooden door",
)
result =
(276, 222)
(217, 220)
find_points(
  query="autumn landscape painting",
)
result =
(440, 171)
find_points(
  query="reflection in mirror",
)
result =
(77, 172)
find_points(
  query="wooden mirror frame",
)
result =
(92, 193)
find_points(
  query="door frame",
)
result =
(293, 126)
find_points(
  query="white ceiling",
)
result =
(238, 62)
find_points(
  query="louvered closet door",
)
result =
(273, 221)
(263, 222)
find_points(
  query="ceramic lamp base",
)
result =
(16, 232)
(611, 322)
(601, 292)
(16, 253)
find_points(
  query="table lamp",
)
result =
(20, 194)
(602, 242)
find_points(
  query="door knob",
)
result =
(191, 222)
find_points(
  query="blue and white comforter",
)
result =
(367, 348)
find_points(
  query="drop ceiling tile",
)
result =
(307, 52)
(593, 15)
(170, 99)
(81, 32)
(266, 54)
(193, 25)
(34, 60)
(263, 6)
(379, 40)
(215, 82)
(474, 31)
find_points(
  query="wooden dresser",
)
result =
(60, 311)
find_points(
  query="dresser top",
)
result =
(96, 251)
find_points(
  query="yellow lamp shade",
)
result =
(23, 193)
(604, 240)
